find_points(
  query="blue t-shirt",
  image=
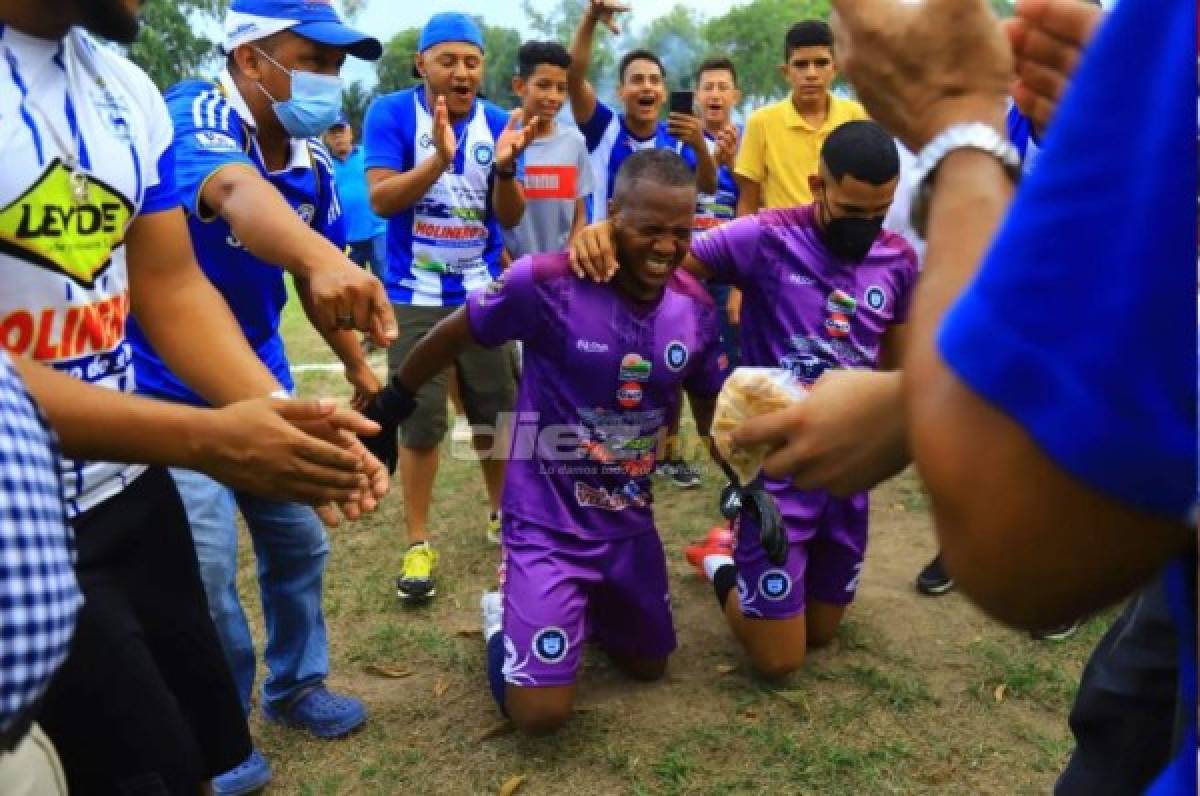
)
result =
(609, 142)
(351, 176)
(1081, 324)
(447, 244)
(213, 128)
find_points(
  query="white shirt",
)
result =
(64, 296)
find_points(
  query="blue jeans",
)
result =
(371, 254)
(290, 547)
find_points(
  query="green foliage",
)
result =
(752, 35)
(395, 68)
(168, 47)
(677, 37)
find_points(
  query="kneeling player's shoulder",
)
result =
(690, 287)
(895, 247)
(547, 267)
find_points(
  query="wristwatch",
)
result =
(972, 135)
(505, 174)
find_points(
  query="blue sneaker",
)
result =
(321, 712)
(250, 775)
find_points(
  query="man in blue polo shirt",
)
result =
(260, 197)
(364, 230)
(442, 166)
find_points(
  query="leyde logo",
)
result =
(46, 227)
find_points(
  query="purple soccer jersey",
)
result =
(802, 308)
(805, 310)
(600, 381)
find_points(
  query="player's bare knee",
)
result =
(817, 640)
(541, 719)
(776, 664)
(646, 671)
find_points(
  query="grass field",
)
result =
(917, 695)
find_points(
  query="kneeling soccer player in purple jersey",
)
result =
(825, 291)
(604, 364)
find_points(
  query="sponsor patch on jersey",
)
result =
(217, 142)
(47, 227)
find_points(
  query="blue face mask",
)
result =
(315, 103)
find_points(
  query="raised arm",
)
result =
(579, 88)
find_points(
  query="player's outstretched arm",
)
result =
(593, 255)
(344, 295)
(847, 435)
(253, 445)
(192, 329)
(392, 405)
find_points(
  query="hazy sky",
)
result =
(384, 18)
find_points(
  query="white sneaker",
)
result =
(491, 612)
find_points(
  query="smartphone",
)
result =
(682, 102)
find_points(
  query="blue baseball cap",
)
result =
(342, 120)
(449, 26)
(317, 20)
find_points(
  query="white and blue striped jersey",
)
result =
(64, 297)
(609, 142)
(447, 244)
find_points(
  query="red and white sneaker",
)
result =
(719, 542)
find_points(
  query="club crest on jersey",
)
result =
(676, 356)
(307, 212)
(876, 297)
(483, 154)
(47, 227)
(550, 645)
(775, 584)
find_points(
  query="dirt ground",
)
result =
(917, 695)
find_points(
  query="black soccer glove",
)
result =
(389, 407)
(757, 502)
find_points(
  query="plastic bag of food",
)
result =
(747, 393)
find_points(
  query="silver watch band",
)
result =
(970, 135)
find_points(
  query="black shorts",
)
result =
(145, 703)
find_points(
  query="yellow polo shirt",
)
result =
(780, 150)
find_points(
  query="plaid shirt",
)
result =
(39, 597)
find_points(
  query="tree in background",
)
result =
(355, 99)
(677, 37)
(752, 36)
(395, 68)
(168, 47)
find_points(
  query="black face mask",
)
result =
(851, 238)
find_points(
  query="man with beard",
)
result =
(827, 289)
(91, 232)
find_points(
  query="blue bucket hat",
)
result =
(250, 20)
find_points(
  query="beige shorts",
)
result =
(32, 769)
